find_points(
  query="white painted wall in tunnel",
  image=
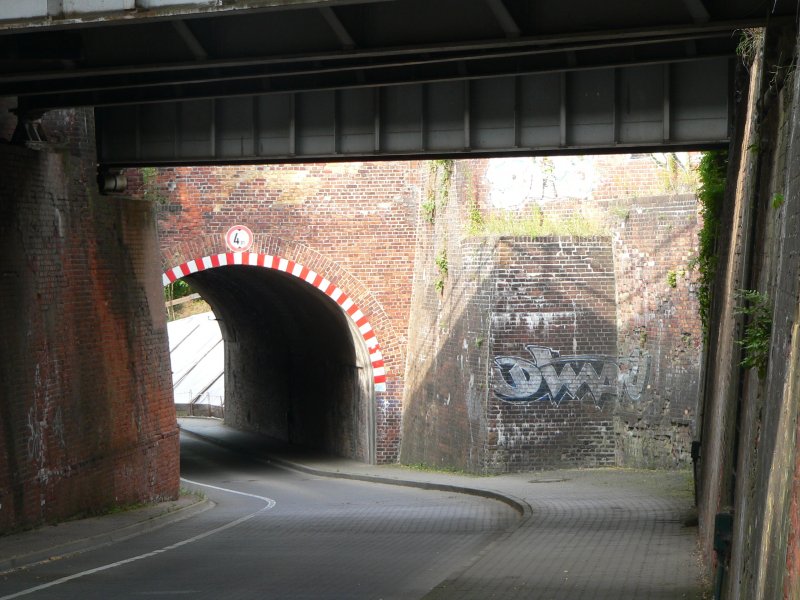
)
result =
(32, 9)
(23, 9)
(198, 359)
(90, 6)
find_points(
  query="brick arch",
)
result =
(309, 276)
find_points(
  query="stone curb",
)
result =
(103, 539)
(523, 508)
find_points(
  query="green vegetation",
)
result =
(777, 201)
(475, 224)
(177, 289)
(622, 212)
(441, 175)
(421, 466)
(150, 186)
(672, 278)
(673, 275)
(749, 42)
(441, 261)
(535, 224)
(712, 169)
(676, 177)
(441, 264)
(757, 334)
(181, 289)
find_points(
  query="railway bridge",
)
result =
(99, 86)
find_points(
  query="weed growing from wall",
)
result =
(621, 210)
(441, 264)
(150, 187)
(438, 194)
(749, 43)
(712, 169)
(755, 340)
(673, 275)
(429, 207)
(677, 176)
(672, 278)
(535, 224)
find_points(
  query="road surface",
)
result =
(279, 534)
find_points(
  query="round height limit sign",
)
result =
(239, 238)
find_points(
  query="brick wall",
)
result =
(749, 455)
(553, 404)
(444, 405)
(641, 201)
(353, 223)
(657, 313)
(381, 231)
(470, 400)
(85, 400)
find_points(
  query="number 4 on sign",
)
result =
(239, 238)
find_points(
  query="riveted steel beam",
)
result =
(628, 108)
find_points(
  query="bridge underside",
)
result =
(627, 109)
(281, 80)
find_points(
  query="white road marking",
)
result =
(269, 503)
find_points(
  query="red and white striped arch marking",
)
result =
(287, 266)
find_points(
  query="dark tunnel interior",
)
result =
(296, 368)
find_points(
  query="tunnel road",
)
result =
(278, 534)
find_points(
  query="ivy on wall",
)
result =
(712, 170)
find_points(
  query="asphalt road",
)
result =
(279, 534)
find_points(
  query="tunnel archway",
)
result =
(302, 363)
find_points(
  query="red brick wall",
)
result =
(610, 297)
(353, 223)
(498, 295)
(444, 411)
(85, 398)
(557, 294)
(657, 312)
(749, 456)
(369, 228)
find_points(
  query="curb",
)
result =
(520, 506)
(103, 539)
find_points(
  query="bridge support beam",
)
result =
(626, 108)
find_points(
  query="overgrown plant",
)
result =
(677, 176)
(757, 333)
(429, 207)
(749, 41)
(150, 186)
(673, 275)
(711, 193)
(173, 291)
(475, 222)
(672, 278)
(441, 175)
(537, 224)
(441, 264)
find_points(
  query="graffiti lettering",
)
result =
(550, 376)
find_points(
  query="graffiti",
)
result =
(552, 377)
(36, 427)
